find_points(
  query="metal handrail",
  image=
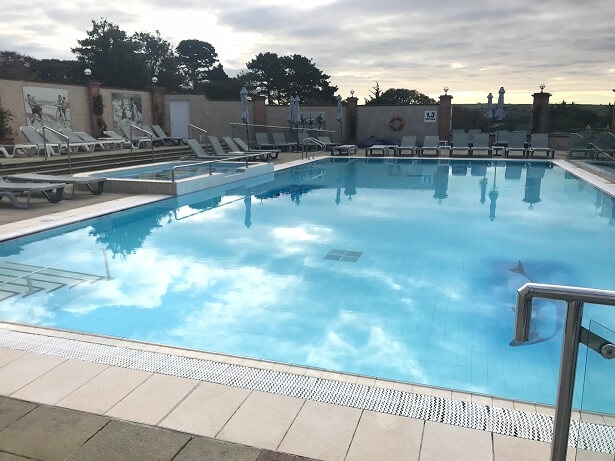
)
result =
(246, 156)
(574, 333)
(281, 127)
(149, 135)
(70, 169)
(196, 128)
(309, 140)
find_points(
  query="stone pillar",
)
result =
(445, 117)
(352, 118)
(260, 112)
(97, 122)
(158, 108)
(613, 119)
(540, 112)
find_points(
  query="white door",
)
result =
(180, 118)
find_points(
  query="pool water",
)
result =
(404, 270)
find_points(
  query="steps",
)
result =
(93, 161)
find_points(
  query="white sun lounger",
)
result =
(14, 190)
(94, 184)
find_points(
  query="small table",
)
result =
(344, 149)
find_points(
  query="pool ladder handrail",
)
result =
(313, 141)
(147, 133)
(574, 334)
(190, 125)
(245, 156)
(62, 135)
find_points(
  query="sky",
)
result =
(472, 47)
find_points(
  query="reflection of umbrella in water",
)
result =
(350, 180)
(244, 110)
(483, 189)
(247, 200)
(441, 183)
(489, 111)
(493, 196)
(499, 113)
(340, 116)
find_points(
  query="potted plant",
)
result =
(7, 135)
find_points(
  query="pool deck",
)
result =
(65, 395)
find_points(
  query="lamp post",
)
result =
(154, 80)
(87, 72)
(352, 93)
(445, 90)
(542, 87)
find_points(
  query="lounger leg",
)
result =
(99, 188)
(15, 201)
(55, 197)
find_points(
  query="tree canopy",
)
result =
(398, 97)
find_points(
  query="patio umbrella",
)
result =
(293, 114)
(244, 110)
(340, 116)
(489, 111)
(499, 113)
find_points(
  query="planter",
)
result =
(7, 141)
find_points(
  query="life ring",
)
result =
(396, 123)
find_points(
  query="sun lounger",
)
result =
(273, 153)
(65, 143)
(138, 141)
(580, 143)
(517, 142)
(14, 190)
(168, 140)
(539, 142)
(103, 143)
(327, 142)
(384, 148)
(37, 142)
(345, 149)
(76, 140)
(407, 143)
(197, 149)
(280, 142)
(239, 148)
(431, 143)
(480, 142)
(93, 184)
(262, 141)
(117, 137)
(460, 141)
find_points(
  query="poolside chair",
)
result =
(384, 149)
(38, 142)
(92, 183)
(517, 142)
(168, 140)
(407, 143)
(102, 143)
(75, 140)
(262, 141)
(327, 141)
(481, 143)
(279, 141)
(197, 149)
(460, 141)
(158, 141)
(13, 190)
(238, 145)
(501, 142)
(431, 143)
(118, 137)
(139, 140)
(539, 142)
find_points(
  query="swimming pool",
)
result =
(405, 270)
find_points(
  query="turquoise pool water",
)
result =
(404, 270)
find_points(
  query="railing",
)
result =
(313, 141)
(197, 128)
(574, 333)
(149, 135)
(62, 135)
(210, 163)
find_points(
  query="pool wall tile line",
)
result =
(532, 426)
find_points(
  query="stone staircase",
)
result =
(91, 161)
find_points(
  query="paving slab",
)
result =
(134, 442)
(50, 434)
(11, 410)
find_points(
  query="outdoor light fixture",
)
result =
(257, 90)
(352, 93)
(542, 87)
(445, 89)
(87, 72)
(154, 80)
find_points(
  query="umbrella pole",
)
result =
(247, 136)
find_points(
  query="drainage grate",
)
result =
(595, 437)
(344, 255)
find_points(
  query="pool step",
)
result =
(24, 279)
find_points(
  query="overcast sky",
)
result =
(472, 46)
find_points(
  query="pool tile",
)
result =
(525, 406)
(262, 420)
(321, 431)
(444, 442)
(153, 399)
(584, 455)
(206, 410)
(386, 437)
(60, 381)
(105, 390)
(25, 369)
